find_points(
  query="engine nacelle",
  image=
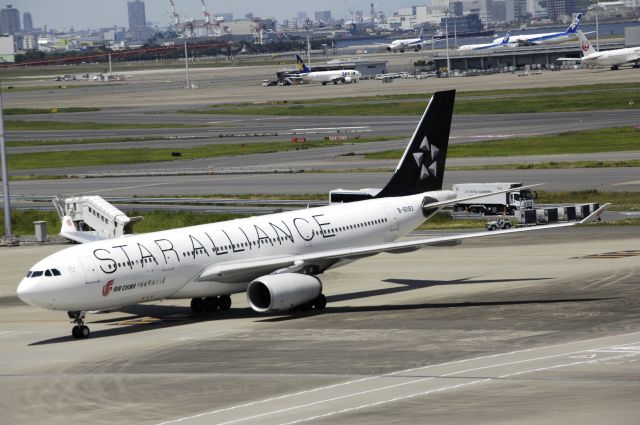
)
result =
(389, 49)
(277, 292)
(418, 47)
(348, 79)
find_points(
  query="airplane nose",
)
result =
(27, 291)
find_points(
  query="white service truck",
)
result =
(503, 203)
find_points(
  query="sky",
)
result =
(83, 14)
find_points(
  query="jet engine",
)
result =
(348, 79)
(418, 47)
(285, 291)
(389, 49)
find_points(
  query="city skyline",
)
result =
(92, 14)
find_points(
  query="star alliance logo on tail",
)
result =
(426, 159)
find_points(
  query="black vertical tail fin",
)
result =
(421, 168)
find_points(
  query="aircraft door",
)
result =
(392, 216)
(90, 270)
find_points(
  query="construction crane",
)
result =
(176, 17)
(212, 28)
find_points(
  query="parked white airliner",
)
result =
(550, 37)
(274, 258)
(406, 43)
(325, 77)
(613, 58)
(497, 43)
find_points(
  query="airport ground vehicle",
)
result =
(498, 224)
(503, 203)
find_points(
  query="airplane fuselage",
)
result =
(613, 57)
(167, 264)
(345, 76)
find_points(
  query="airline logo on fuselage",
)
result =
(107, 288)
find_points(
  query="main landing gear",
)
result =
(210, 304)
(80, 330)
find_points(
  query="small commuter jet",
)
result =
(325, 77)
(548, 38)
(275, 259)
(497, 43)
(405, 44)
(613, 58)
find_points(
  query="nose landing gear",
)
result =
(80, 330)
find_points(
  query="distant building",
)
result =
(302, 15)
(137, 16)
(516, 10)
(323, 16)
(248, 16)
(9, 20)
(7, 49)
(27, 23)
(560, 8)
(227, 16)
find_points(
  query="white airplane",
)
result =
(407, 43)
(497, 43)
(324, 77)
(275, 259)
(613, 58)
(550, 37)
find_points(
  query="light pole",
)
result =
(8, 233)
(186, 65)
(597, 32)
(446, 34)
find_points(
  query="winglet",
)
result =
(595, 215)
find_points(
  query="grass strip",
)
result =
(62, 159)
(508, 103)
(92, 141)
(38, 111)
(459, 95)
(17, 125)
(547, 165)
(588, 141)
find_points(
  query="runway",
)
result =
(603, 179)
(249, 129)
(522, 329)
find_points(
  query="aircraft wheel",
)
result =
(224, 302)
(324, 83)
(80, 331)
(197, 305)
(210, 304)
(320, 303)
(83, 331)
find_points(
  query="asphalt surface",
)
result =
(528, 329)
(249, 129)
(603, 179)
(242, 84)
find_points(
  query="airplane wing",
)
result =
(244, 271)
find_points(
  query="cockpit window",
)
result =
(37, 273)
(55, 272)
(48, 273)
(29, 273)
